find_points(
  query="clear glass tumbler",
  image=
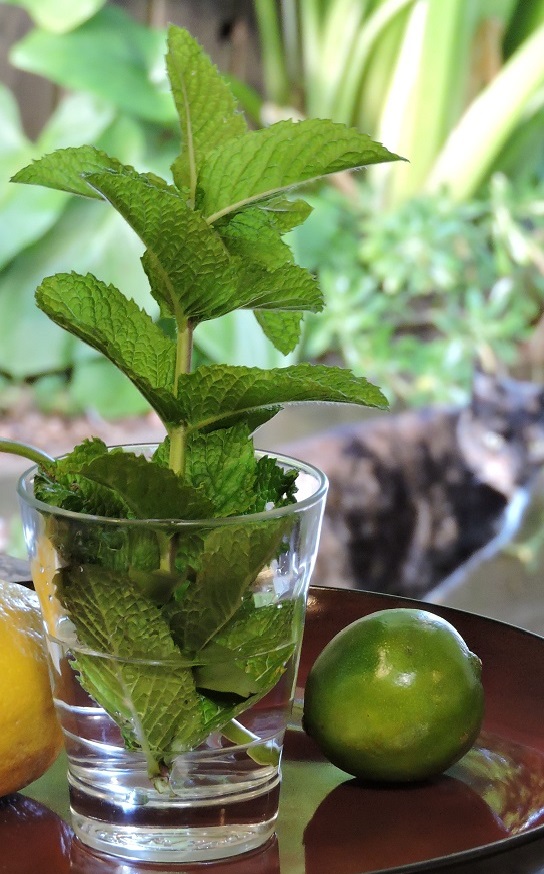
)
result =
(174, 648)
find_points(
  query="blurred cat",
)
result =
(416, 496)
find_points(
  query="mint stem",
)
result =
(25, 450)
(184, 352)
(264, 752)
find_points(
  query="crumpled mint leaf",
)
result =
(206, 108)
(66, 170)
(113, 324)
(150, 491)
(274, 486)
(60, 484)
(264, 163)
(212, 396)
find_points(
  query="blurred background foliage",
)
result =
(422, 264)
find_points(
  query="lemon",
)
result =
(395, 696)
(30, 735)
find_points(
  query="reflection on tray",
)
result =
(263, 861)
(509, 777)
(495, 792)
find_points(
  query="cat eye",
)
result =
(493, 441)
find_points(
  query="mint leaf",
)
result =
(66, 170)
(250, 653)
(61, 485)
(231, 559)
(213, 396)
(206, 107)
(223, 465)
(114, 325)
(253, 234)
(150, 491)
(262, 164)
(155, 703)
(282, 328)
(285, 214)
(192, 275)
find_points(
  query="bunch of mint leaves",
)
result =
(213, 244)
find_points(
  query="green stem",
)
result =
(264, 752)
(26, 451)
(184, 352)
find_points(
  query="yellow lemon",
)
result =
(395, 696)
(30, 735)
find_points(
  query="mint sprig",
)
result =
(213, 238)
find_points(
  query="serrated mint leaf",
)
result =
(264, 163)
(192, 274)
(289, 287)
(212, 396)
(252, 234)
(223, 465)
(285, 213)
(231, 559)
(154, 703)
(61, 485)
(113, 324)
(282, 328)
(206, 108)
(66, 170)
(274, 486)
(151, 491)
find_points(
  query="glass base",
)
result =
(171, 831)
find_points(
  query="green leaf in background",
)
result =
(28, 214)
(131, 73)
(30, 343)
(196, 86)
(264, 163)
(97, 385)
(212, 397)
(59, 16)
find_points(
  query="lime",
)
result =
(395, 696)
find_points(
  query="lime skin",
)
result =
(395, 696)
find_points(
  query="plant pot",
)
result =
(172, 672)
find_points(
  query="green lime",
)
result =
(395, 696)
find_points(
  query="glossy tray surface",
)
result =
(485, 815)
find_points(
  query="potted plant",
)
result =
(173, 578)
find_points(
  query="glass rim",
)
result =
(24, 491)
